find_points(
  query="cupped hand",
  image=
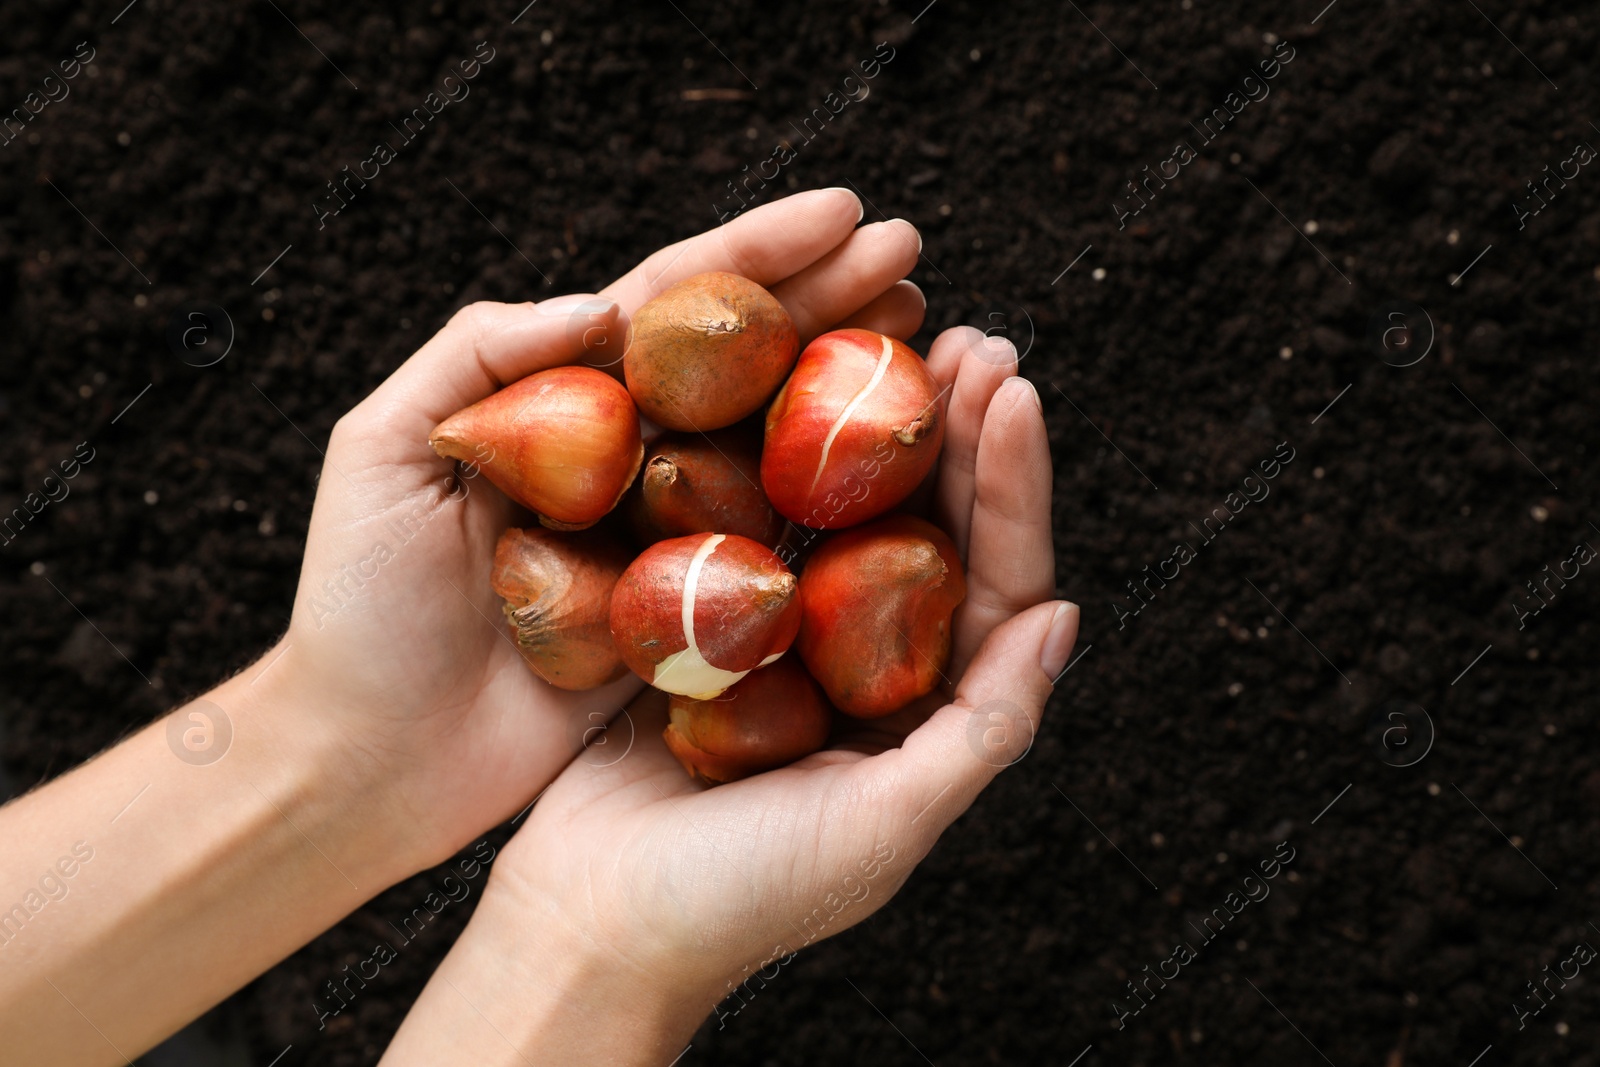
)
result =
(396, 636)
(699, 887)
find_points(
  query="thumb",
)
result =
(484, 347)
(947, 761)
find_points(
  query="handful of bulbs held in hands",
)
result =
(696, 585)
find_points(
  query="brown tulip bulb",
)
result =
(708, 351)
(557, 591)
(704, 483)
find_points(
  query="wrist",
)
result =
(525, 983)
(335, 791)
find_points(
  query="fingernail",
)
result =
(861, 210)
(1023, 383)
(567, 305)
(1058, 642)
(914, 232)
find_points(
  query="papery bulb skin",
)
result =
(563, 443)
(693, 615)
(853, 432)
(708, 351)
(876, 608)
(556, 589)
(703, 483)
(773, 716)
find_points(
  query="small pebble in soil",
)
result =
(36, 567)
(1311, 226)
(1222, 857)
(1317, 472)
(140, 301)
(1516, 841)
(1158, 839)
(1433, 789)
(1099, 274)
(86, 391)
(1195, 1037)
(1539, 513)
(1285, 352)
(1562, 1029)
(124, 139)
(1549, 729)
(1235, 689)
(151, 496)
(1453, 237)
(1533, 653)
(1261, 631)
(239, 505)
(268, 314)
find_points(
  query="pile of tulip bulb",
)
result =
(692, 584)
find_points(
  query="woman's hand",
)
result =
(634, 900)
(393, 723)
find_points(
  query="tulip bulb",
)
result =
(876, 607)
(693, 615)
(704, 483)
(773, 716)
(708, 351)
(563, 443)
(856, 428)
(557, 592)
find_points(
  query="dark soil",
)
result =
(1197, 736)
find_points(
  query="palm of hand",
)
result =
(727, 877)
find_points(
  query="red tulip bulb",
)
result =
(876, 607)
(693, 615)
(773, 716)
(856, 428)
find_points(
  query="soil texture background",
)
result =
(1351, 664)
